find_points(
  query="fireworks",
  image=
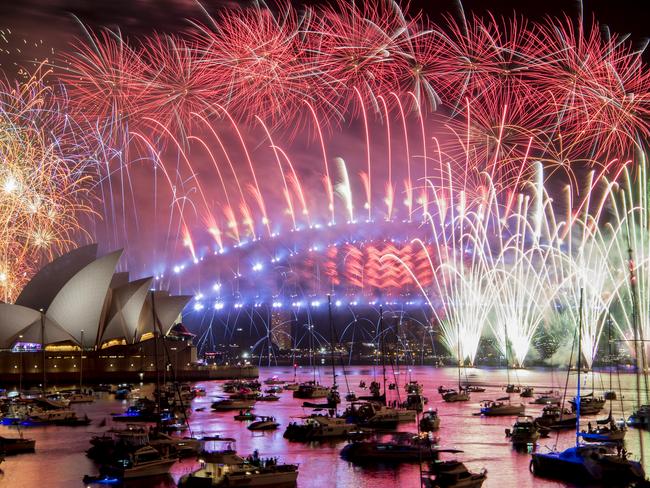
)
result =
(288, 130)
(43, 188)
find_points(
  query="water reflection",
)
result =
(60, 459)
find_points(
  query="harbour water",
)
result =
(60, 459)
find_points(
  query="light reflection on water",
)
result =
(60, 459)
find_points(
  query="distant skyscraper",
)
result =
(281, 329)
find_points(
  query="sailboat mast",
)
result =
(460, 354)
(155, 345)
(382, 347)
(505, 329)
(81, 362)
(331, 324)
(43, 348)
(579, 367)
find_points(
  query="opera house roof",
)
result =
(81, 295)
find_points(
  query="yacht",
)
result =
(589, 405)
(548, 398)
(590, 463)
(319, 427)
(527, 392)
(230, 404)
(524, 431)
(311, 389)
(274, 380)
(268, 398)
(264, 423)
(226, 468)
(640, 418)
(501, 407)
(245, 415)
(556, 418)
(80, 397)
(16, 445)
(407, 449)
(371, 414)
(453, 474)
(141, 462)
(430, 421)
(606, 431)
(512, 389)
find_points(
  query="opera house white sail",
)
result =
(82, 292)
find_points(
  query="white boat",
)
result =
(145, 461)
(225, 468)
(80, 398)
(453, 474)
(501, 407)
(451, 396)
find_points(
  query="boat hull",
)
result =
(275, 480)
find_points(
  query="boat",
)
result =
(268, 398)
(430, 421)
(274, 389)
(80, 398)
(452, 396)
(548, 398)
(310, 390)
(319, 427)
(606, 430)
(403, 449)
(589, 405)
(247, 415)
(55, 417)
(230, 404)
(510, 388)
(264, 423)
(501, 407)
(274, 380)
(291, 386)
(610, 395)
(138, 463)
(225, 468)
(527, 392)
(16, 445)
(556, 418)
(640, 418)
(524, 431)
(587, 463)
(474, 388)
(452, 474)
(371, 414)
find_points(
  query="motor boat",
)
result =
(548, 398)
(527, 392)
(268, 398)
(524, 431)
(640, 418)
(589, 405)
(264, 423)
(291, 386)
(512, 389)
(245, 415)
(556, 418)
(225, 468)
(371, 414)
(452, 474)
(414, 401)
(610, 395)
(405, 449)
(311, 389)
(588, 463)
(319, 427)
(230, 404)
(474, 388)
(274, 380)
(274, 389)
(138, 463)
(16, 445)
(501, 407)
(430, 421)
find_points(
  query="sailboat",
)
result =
(607, 430)
(587, 463)
(510, 387)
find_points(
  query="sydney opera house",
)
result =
(79, 317)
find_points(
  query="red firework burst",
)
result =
(104, 76)
(479, 55)
(598, 86)
(176, 81)
(259, 63)
(358, 46)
